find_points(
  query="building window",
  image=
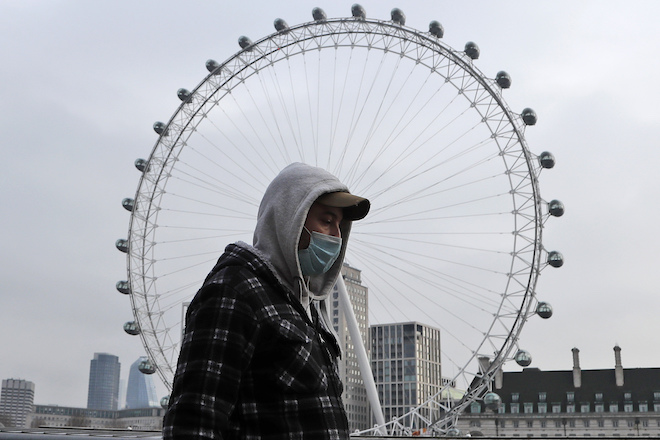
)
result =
(627, 396)
(599, 397)
(656, 395)
(643, 407)
(631, 423)
(556, 408)
(543, 424)
(627, 407)
(615, 423)
(571, 423)
(530, 423)
(601, 423)
(585, 407)
(585, 423)
(656, 407)
(515, 408)
(570, 396)
(528, 408)
(557, 423)
(515, 397)
(542, 396)
(475, 423)
(475, 407)
(543, 408)
(614, 407)
(570, 408)
(515, 423)
(599, 408)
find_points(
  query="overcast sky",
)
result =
(82, 82)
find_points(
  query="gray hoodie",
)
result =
(281, 217)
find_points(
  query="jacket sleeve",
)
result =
(216, 347)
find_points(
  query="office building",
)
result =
(617, 402)
(355, 394)
(16, 400)
(141, 390)
(406, 363)
(150, 419)
(103, 390)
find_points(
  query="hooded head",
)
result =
(282, 215)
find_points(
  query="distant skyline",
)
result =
(83, 82)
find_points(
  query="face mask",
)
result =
(320, 255)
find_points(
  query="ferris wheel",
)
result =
(453, 239)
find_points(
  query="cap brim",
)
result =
(355, 207)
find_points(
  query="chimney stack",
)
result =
(618, 367)
(577, 372)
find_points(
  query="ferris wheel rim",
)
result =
(137, 235)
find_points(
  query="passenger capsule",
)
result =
(556, 208)
(523, 358)
(132, 328)
(547, 160)
(122, 287)
(358, 12)
(544, 310)
(165, 402)
(280, 25)
(555, 259)
(472, 50)
(453, 432)
(529, 116)
(141, 164)
(212, 66)
(398, 16)
(160, 128)
(184, 95)
(503, 79)
(435, 28)
(244, 42)
(122, 245)
(492, 401)
(318, 14)
(146, 367)
(128, 204)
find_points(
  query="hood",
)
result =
(281, 217)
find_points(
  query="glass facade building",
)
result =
(141, 390)
(103, 390)
(405, 360)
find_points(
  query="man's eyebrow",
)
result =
(334, 214)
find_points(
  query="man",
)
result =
(259, 356)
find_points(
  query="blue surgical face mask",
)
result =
(320, 255)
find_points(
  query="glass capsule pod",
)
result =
(122, 245)
(436, 29)
(492, 401)
(123, 287)
(555, 259)
(160, 128)
(141, 165)
(128, 204)
(132, 328)
(280, 25)
(398, 16)
(318, 14)
(547, 160)
(146, 367)
(529, 116)
(556, 208)
(503, 79)
(523, 358)
(544, 310)
(472, 50)
(358, 12)
(164, 402)
(184, 95)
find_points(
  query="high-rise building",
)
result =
(103, 390)
(405, 360)
(355, 395)
(141, 391)
(16, 401)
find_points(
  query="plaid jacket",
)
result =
(253, 365)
